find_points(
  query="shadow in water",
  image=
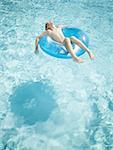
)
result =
(33, 101)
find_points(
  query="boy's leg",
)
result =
(70, 49)
(82, 45)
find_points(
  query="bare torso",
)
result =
(56, 34)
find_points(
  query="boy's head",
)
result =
(49, 25)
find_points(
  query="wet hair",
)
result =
(46, 26)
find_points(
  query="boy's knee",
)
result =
(72, 37)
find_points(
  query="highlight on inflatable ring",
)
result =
(58, 50)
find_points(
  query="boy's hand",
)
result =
(36, 49)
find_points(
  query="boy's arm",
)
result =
(37, 40)
(60, 26)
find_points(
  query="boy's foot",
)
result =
(78, 59)
(91, 55)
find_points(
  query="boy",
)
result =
(55, 32)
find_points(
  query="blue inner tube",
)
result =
(58, 50)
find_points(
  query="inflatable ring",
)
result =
(58, 50)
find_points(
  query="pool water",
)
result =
(55, 104)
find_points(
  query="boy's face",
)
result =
(50, 24)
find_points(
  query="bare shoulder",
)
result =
(42, 34)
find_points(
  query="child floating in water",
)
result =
(55, 32)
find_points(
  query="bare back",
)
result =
(56, 34)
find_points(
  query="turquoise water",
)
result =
(48, 103)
